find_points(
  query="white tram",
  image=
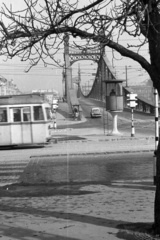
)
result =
(24, 119)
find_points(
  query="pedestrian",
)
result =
(112, 93)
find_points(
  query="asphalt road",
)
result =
(143, 123)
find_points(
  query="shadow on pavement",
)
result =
(127, 231)
(66, 138)
(41, 190)
(20, 233)
(17, 147)
(57, 189)
(97, 221)
(136, 231)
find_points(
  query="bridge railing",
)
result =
(144, 105)
(98, 93)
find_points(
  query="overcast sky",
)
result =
(50, 77)
(40, 77)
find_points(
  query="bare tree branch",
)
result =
(38, 29)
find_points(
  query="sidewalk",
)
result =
(122, 210)
(89, 212)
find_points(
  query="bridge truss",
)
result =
(105, 72)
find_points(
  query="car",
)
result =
(95, 112)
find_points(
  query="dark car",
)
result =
(95, 112)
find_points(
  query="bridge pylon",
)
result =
(72, 55)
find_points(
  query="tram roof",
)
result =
(31, 98)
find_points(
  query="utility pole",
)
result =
(79, 81)
(68, 74)
(126, 70)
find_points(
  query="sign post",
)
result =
(132, 103)
(132, 124)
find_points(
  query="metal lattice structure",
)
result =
(84, 54)
(105, 72)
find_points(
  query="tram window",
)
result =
(3, 115)
(48, 113)
(38, 113)
(16, 115)
(26, 114)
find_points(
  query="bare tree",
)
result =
(36, 32)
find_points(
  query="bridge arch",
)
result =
(84, 54)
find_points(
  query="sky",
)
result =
(50, 77)
(39, 77)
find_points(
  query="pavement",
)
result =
(122, 210)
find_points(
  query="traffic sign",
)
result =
(132, 100)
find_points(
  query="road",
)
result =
(128, 170)
(143, 123)
(99, 168)
(95, 169)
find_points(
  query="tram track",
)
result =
(10, 171)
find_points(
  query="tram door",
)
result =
(20, 125)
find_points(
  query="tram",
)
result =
(24, 119)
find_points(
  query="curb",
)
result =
(56, 140)
(91, 153)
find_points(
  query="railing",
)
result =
(144, 105)
(98, 92)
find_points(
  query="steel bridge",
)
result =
(105, 72)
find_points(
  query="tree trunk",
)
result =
(154, 48)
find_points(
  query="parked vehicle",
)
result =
(95, 112)
(24, 119)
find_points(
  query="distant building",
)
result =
(50, 94)
(7, 87)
